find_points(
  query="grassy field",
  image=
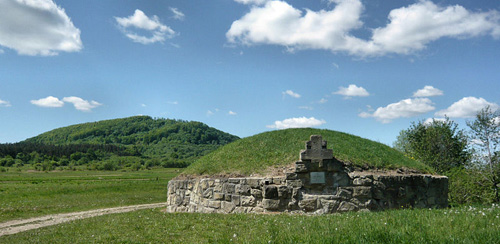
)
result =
(458, 225)
(256, 153)
(30, 194)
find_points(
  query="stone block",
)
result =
(253, 182)
(243, 189)
(214, 204)
(208, 193)
(344, 193)
(228, 188)
(234, 180)
(227, 207)
(282, 191)
(247, 201)
(256, 193)
(270, 204)
(236, 199)
(362, 192)
(217, 186)
(290, 176)
(300, 168)
(218, 196)
(347, 206)
(227, 197)
(329, 206)
(294, 183)
(362, 181)
(334, 165)
(270, 192)
(309, 204)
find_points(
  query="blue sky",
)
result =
(367, 68)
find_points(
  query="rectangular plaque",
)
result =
(317, 177)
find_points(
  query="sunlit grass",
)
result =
(29, 194)
(256, 153)
(457, 225)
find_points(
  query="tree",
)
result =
(485, 135)
(439, 144)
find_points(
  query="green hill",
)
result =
(126, 141)
(278, 148)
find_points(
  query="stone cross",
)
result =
(316, 150)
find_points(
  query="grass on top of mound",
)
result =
(257, 153)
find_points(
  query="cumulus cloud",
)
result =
(466, 107)
(428, 91)
(409, 29)
(352, 91)
(82, 105)
(48, 102)
(291, 93)
(139, 20)
(232, 113)
(322, 100)
(4, 103)
(429, 121)
(252, 2)
(37, 28)
(404, 108)
(178, 15)
(301, 122)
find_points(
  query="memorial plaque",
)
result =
(317, 177)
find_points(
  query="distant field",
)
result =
(30, 194)
(457, 225)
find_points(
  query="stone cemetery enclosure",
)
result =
(320, 184)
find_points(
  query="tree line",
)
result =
(470, 158)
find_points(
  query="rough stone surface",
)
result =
(340, 191)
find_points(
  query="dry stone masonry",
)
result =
(320, 184)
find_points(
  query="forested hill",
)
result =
(134, 142)
(135, 130)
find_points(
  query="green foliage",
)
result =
(485, 133)
(282, 147)
(155, 142)
(29, 194)
(439, 144)
(468, 186)
(456, 225)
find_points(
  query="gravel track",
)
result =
(16, 226)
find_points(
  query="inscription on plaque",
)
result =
(317, 177)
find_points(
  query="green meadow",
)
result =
(31, 194)
(457, 225)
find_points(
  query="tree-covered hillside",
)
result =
(139, 141)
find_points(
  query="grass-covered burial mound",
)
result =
(258, 153)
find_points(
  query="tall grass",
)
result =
(458, 225)
(29, 194)
(254, 154)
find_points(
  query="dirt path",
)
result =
(16, 226)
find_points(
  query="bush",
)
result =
(468, 186)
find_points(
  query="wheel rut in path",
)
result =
(20, 225)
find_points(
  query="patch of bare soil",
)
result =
(16, 226)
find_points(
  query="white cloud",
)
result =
(429, 121)
(37, 27)
(301, 122)
(232, 113)
(178, 15)
(209, 113)
(352, 91)
(173, 103)
(159, 32)
(48, 102)
(252, 2)
(466, 107)
(80, 104)
(409, 29)
(323, 100)
(4, 103)
(291, 93)
(428, 91)
(404, 108)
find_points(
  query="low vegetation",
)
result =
(282, 147)
(30, 194)
(458, 225)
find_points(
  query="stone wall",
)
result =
(320, 184)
